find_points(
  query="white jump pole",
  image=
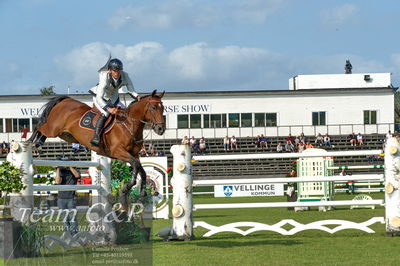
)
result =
(22, 203)
(392, 186)
(182, 227)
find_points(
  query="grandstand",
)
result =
(238, 168)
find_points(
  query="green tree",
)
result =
(47, 90)
(397, 107)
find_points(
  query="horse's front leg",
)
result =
(136, 169)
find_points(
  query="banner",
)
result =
(248, 190)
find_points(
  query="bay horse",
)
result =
(60, 117)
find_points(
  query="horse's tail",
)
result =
(44, 114)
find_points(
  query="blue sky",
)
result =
(188, 45)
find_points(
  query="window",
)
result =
(1, 125)
(183, 121)
(246, 120)
(233, 120)
(270, 119)
(259, 120)
(369, 117)
(24, 122)
(195, 121)
(214, 121)
(319, 118)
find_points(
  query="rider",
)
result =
(106, 96)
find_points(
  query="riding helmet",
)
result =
(115, 64)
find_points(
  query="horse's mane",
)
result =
(45, 110)
(141, 98)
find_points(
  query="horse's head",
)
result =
(153, 111)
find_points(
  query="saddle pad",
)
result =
(89, 119)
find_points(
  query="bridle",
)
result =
(124, 113)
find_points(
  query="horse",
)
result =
(60, 117)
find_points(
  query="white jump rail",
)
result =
(183, 225)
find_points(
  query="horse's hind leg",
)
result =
(137, 169)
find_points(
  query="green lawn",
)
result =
(349, 247)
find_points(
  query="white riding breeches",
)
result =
(104, 112)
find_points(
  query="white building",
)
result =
(334, 104)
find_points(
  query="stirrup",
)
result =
(95, 141)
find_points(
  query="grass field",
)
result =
(312, 247)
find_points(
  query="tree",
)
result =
(397, 107)
(47, 90)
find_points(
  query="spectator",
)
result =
(185, 140)
(257, 141)
(153, 151)
(279, 147)
(202, 146)
(143, 151)
(263, 142)
(327, 140)
(389, 134)
(303, 138)
(296, 141)
(309, 145)
(226, 143)
(194, 145)
(75, 148)
(360, 141)
(234, 143)
(87, 180)
(352, 139)
(301, 147)
(289, 147)
(4, 147)
(319, 140)
(24, 133)
(66, 199)
(161, 153)
(289, 139)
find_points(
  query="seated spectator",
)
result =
(309, 145)
(234, 143)
(226, 143)
(153, 152)
(296, 141)
(257, 141)
(185, 140)
(161, 154)
(289, 139)
(303, 138)
(360, 141)
(319, 140)
(143, 151)
(4, 147)
(279, 147)
(352, 139)
(301, 147)
(194, 145)
(202, 145)
(289, 147)
(263, 142)
(75, 147)
(327, 140)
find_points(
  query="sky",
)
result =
(193, 45)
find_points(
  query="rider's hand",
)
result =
(112, 110)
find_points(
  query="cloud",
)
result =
(192, 67)
(195, 13)
(337, 16)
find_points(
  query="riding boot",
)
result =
(97, 134)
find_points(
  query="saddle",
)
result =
(89, 119)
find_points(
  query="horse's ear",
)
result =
(154, 93)
(162, 94)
